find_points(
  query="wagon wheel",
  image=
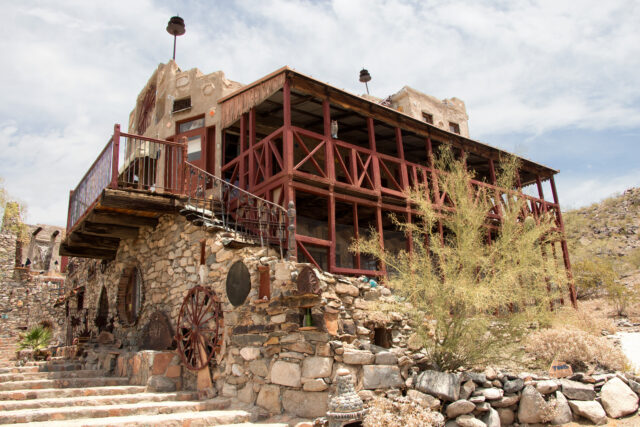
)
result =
(199, 327)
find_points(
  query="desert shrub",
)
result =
(400, 412)
(36, 339)
(581, 319)
(575, 347)
(471, 300)
(621, 296)
(593, 276)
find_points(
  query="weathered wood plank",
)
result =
(116, 218)
(134, 201)
(83, 252)
(108, 230)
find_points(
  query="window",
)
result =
(130, 296)
(191, 125)
(454, 127)
(427, 117)
(194, 148)
(181, 104)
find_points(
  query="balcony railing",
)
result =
(131, 162)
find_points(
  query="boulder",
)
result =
(317, 367)
(160, 384)
(381, 376)
(505, 401)
(424, 400)
(358, 357)
(286, 373)
(476, 377)
(531, 407)
(490, 393)
(635, 386)
(590, 410)
(469, 421)
(562, 414)
(269, 398)
(546, 386)
(316, 384)
(305, 404)
(491, 418)
(507, 416)
(513, 386)
(460, 407)
(440, 384)
(618, 399)
(574, 390)
(467, 389)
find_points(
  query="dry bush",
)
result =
(577, 348)
(400, 412)
(583, 319)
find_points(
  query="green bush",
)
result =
(37, 339)
(472, 300)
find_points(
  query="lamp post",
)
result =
(365, 77)
(176, 28)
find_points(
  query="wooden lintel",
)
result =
(83, 252)
(117, 218)
(108, 230)
(134, 201)
(77, 239)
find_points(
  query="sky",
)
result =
(554, 81)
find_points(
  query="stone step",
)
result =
(191, 419)
(27, 376)
(254, 425)
(106, 411)
(64, 383)
(118, 399)
(19, 369)
(13, 369)
(70, 392)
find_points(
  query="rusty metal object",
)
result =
(199, 328)
(308, 282)
(157, 335)
(238, 283)
(265, 283)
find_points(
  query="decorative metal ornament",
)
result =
(157, 335)
(199, 328)
(308, 282)
(238, 283)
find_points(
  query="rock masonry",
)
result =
(283, 354)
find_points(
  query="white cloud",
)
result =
(72, 69)
(578, 191)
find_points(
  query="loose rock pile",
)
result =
(494, 399)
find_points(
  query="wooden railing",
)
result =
(132, 162)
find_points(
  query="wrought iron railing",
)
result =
(215, 202)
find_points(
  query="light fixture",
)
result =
(176, 28)
(365, 77)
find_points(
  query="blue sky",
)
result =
(550, 80)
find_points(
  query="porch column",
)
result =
(563, 243)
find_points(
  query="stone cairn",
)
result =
(346, 406)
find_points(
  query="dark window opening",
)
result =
(366, 222)
(312, 216)
(320, 255)
(454, 127)
(130, 296)
(385, 136)
(382, 337)
(80, 300)
(181, 104)
(345, 233)
(428, 118)
(351, 127)
(102, 316)
(306, 112)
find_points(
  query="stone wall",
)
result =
(267, 356)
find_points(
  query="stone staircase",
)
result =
(61, 393)
(8, 347)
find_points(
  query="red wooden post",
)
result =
(541, 194)
(497, 196)
(434, 175)
(288, 133)
(183, 166)
(243, 149)
(383, 268)
(374, 156)
(330, 166)
(403, 164)
(563, 243)
(332, 231)
(116, 152)
(356, 232)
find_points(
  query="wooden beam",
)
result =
(108, 230)
(134, 201)
(104, 217)
(77, 239)
(82, 252)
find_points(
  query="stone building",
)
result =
(209, 243)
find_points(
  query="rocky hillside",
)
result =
(608, 231)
